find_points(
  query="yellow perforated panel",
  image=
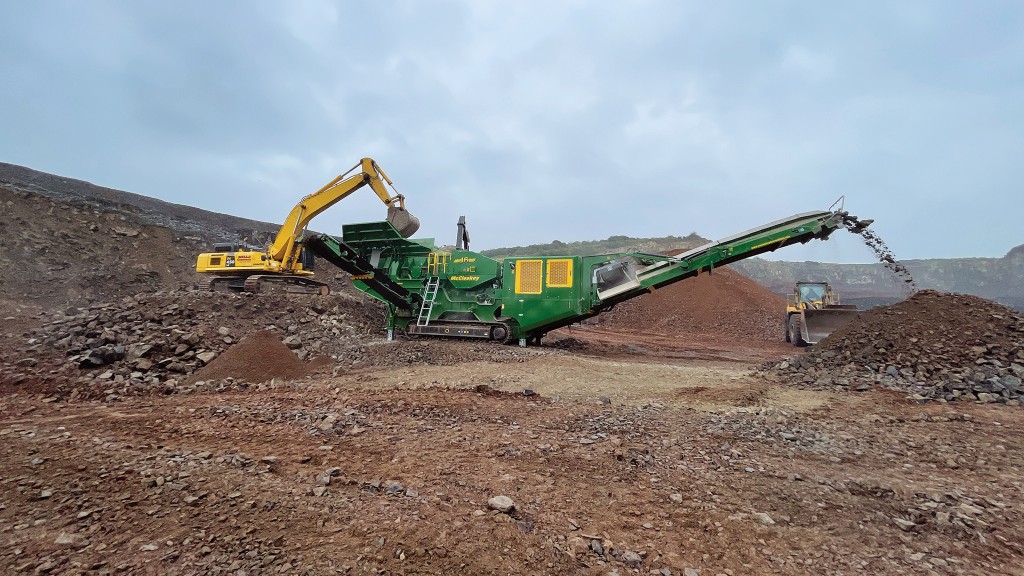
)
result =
(529, 276)
(560, 273)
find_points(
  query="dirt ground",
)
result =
(623, 454)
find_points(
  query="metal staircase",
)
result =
(429, 294)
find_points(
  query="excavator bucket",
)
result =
(403, 221)
(817, 324)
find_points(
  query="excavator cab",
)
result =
(235, 247)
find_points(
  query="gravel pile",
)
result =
(156, 342)
(185, 342)
(935, 346)
(723, 303)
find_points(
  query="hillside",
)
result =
(68, 241)
(867, 285)
(998, 279)
(185, 220)
(609, 245)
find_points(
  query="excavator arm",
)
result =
(284, 265)
(285, 248)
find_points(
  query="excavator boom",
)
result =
(283, 262)
(338, 189)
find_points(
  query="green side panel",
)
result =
(532, 312)
(466, 269)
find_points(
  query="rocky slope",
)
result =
(154, 343)
(70, 242)
(141, 210)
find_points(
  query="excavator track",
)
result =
(220, 284)
(258, 283)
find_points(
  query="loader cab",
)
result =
(814, 295)
(811, 292)
(813, 312)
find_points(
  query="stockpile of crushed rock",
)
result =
(722, 303)
(185, 342)
(155, 342)
(935, 346)
(257, 358)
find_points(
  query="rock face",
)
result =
(170, 343)
(936, 346)
(999, 279)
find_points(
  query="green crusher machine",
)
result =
(459, 293)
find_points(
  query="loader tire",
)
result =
(785, 328)
(795, 337)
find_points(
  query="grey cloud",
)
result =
(539, 120)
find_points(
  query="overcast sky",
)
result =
(540, 120)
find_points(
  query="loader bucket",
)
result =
(818, 324)
(403, 221)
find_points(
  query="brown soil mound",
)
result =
(151, 343)
(936, 344)
(257, 358)
(954, 328)
(724, 303)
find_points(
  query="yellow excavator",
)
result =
(284, 264)
(813, 312)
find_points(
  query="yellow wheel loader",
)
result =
(284, 264)
(813, 312)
